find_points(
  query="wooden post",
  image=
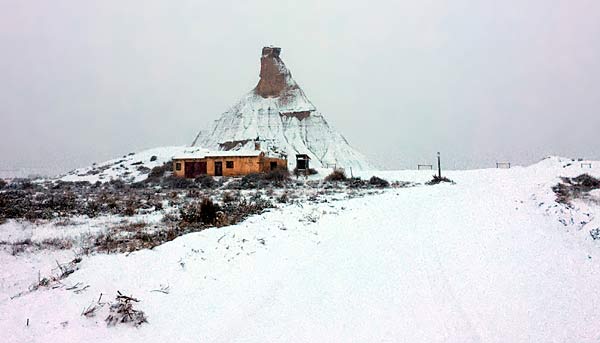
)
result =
(439, 166)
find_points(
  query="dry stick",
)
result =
(73, 287)
(77, 291)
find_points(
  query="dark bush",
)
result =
(117, 184)
(595, 233)
(156, 172)
(144, 170)
(574, 187)
(277, 174)
(336, 175)
(153, 158)
(230, 197)
(284, 198)
(174, 182)
(190, 213)
(2, 184)
(356, 182)
(436, 180)
(586, 182)
(206, 181)
(200, 213)
(238, 211)
(378, 182)
(563, 193)
(309, 171)
(251, 181)
(129, 210)
(21, 184)
(208, 211)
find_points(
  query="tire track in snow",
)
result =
(458, 325)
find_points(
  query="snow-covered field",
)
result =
(491, 258)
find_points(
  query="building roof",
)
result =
(201, 153)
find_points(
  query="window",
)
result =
(178, 166)
(229, 164)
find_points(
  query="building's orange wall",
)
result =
(242, 165)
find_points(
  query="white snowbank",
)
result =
(478, 261)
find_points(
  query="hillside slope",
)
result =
(132, 167)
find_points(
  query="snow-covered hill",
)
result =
(132, 167)
(279, 113)
(478, 261)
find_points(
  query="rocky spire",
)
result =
(278, 111)
(275, 78)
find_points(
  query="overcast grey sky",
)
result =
(515, 80)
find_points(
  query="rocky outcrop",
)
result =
(281, 116)
(273, 74)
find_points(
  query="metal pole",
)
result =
(439, 166)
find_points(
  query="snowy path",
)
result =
(472, 262)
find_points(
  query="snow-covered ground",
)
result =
(488, 259)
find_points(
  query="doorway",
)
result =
(219, 168)
(194, 169)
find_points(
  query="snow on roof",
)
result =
(206, 153)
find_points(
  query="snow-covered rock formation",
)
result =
(279, 115)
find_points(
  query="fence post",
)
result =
(439, 165)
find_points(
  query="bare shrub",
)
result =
(284, 198)
(204, 212)
(170, 218)
(131, 227)
(278, 174)
(206, 181)
(378, 182)
(437, 180)
(236, 212)
(251, 181)
(356, 182)
(174, 182)
(208, 211)
(144, 170)
(129, 210)
(122, 312)
(309, 171)
(2, 183)
(575, 187)
(56, 243)
(20, 246)
(230, 197)
(159, 171)
(336, 175)
(64, 270)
